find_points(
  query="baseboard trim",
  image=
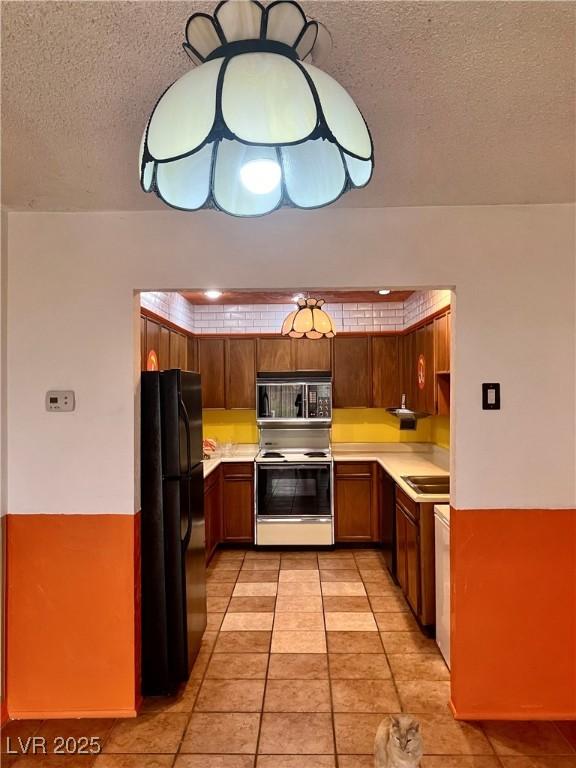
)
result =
(39, 714)
(519, 716)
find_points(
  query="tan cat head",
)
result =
(405, 734)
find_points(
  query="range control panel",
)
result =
(60, 400)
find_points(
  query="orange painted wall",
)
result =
(513, 642)
(71, 615)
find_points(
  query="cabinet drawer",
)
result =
(353, 468)
(406, 502)
(237, 469)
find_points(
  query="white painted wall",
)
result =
(71, 324)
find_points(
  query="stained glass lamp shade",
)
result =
(309, 321)
(255, 125)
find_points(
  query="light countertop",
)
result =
(397, 459)
(240, 452)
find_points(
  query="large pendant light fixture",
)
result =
(254, 126)
(309, 321)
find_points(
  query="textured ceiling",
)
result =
(468, 102)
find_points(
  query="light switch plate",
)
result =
(491, 397)
(60, 400)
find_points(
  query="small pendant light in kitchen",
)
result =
(255, 125)
(309, 321)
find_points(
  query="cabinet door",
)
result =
(401, 548)
(238, 503)
(412, 589)
(430, 378)
(213, 512)
(164, 349)
(409, 385)
(442, 343)
(312, 354)
(192, 353)
(143, 354)
(241, 381)
(174, 349)
(423, 368)
(385, 372)
(274, 355)
(386, 493)
(152, 339)
(212, 370)
(182, 352)
(355, 503)
(352, 380)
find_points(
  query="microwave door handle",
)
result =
(305, 396)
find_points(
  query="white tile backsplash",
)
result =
(267, 318)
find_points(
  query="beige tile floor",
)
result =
(304, 654)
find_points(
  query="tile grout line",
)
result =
(336, 755)
(267, 667)
(203, 678)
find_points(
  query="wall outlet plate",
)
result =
(60, 400)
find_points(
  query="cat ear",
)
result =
(395, 721)
(415, 726)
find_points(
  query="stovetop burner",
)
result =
(272, 455)
(316, 454)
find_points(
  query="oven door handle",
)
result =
(312, 520)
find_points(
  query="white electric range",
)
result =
(293, 496)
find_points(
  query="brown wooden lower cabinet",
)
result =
(356, 508)
(213, 511)
(387, 503)
(415, 556)
(238, 502)
(229, 506)
(401, 548)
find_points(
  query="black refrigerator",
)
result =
(172, 529)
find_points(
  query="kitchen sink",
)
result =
(433, 485)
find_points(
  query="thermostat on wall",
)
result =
(60, 400)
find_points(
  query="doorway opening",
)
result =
(389, 368)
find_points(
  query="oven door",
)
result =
(294, 504)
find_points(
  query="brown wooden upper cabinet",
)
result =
(312, 354)
(212, 367)
(241, 373)
(385, 371)
(274, 355)
(442, 343)
(192, 353)
(163, 348)
(178, 350)
(352, 379)
(143, 353)
(418, 375)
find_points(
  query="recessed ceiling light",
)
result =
(384, 291)
(212, 294)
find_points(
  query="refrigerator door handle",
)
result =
(184, 416)
(188, 534)
(186, 419)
